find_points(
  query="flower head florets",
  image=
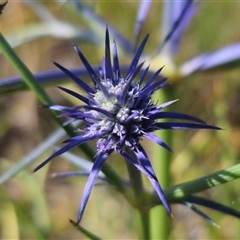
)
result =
(118, 112)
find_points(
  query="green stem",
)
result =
(160, 157)
(143, 224)
(161, 161)
(138, 190)
(136, 180)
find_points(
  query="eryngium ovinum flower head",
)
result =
(119, 111)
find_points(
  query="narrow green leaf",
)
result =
(183, 190)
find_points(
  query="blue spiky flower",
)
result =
(119, 111)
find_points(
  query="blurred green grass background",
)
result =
(35, 206)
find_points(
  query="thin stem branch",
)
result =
(138, 189)
(136, 180)
(161, 160)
